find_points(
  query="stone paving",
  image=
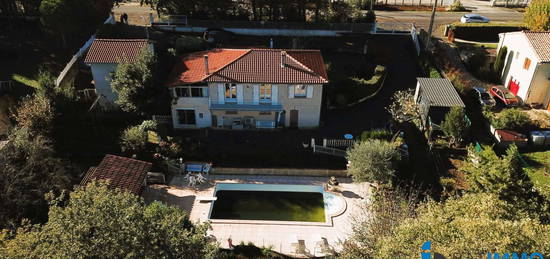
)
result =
(264, 234)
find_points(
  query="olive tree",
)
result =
(373, 161)
(404, 109)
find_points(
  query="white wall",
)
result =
(199, 104)
(540, 85)
(100, 73)
(518, 44)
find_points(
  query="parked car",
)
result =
(504, 95)
(473, 18)
(484, 96)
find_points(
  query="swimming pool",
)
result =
(239, 203)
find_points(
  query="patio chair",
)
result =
(323, 246)
(300, 247)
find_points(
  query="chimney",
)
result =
(283, 58)
(206, 65)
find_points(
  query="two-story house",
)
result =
(248, 89)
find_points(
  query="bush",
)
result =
(499, 62)
(537, 15)
(456, 6)
(133, 140)
(354, 88)
(512, 119)
(36, 113)
(381, 134)
(186, 44)
(454, 126)
(482, 32)
(373, 161)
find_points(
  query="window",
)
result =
(192, 91)
(231, 112)
(230, 91)
(300, 91)
(517, 54)
(186, 117)
(265, 113)
(526, 63)
(182, 92)
(265, 93)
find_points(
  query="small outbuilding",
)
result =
(435, 97)
(121, 172)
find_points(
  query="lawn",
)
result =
(538, 170)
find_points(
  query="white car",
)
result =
(473, 18)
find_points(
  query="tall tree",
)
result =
(134, 83)
(373, 161)
(537, 15)
(28, 170)
(98, 222)
(454, 125)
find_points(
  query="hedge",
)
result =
(486, 32)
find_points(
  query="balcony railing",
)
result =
(245, 106)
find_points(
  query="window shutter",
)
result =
(240, 94)
(274, 94)
(291, 91)
(221, 93)
(204, 91)
(256, 94)
(309, 91)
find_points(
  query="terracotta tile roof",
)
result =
(113, 50)
(251, 66)
(121, 172)
(190, 69)
(540, 41)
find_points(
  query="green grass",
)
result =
(539, 171)
(25, 80)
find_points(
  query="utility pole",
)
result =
(429, 40)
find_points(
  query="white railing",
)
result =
(265, 124)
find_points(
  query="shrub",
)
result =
(512, 119)
(454, 126)
(537, 15)
(373, 161)
(186, 44)
(499, 62)
(36, 113)
(381, 134)
(133, 140)
(456, 6)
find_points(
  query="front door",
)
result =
(293, 118)
(214, 121)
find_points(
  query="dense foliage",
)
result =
(466, 227)
(28, 170)
(454, 125)
(512, 119)
(373, 161)
(499, 61)
(35, 113)
(134, 83)
(404, 109)
(98, 222)
(505, 177)
(537, 15)
(133, 140)
(259, 10)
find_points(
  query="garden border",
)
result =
(364, 98)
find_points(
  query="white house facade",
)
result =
(104, 56)
(248, 89)
(526, 71)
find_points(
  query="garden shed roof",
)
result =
(111, 51)
(121, 172)
(438, 92)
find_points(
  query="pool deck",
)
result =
(264, 234)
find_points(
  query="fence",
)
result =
(510, 3)
(333, 147)
(414, 2)
(6, 86)
(79, 54)
(162, 119)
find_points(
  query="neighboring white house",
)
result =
(248, 88)
(526, 69)
(103, 57)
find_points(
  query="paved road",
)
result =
(422, 19)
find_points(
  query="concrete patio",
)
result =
(278, 237)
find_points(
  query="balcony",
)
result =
(245, 106)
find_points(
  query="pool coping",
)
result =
(328, 218)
